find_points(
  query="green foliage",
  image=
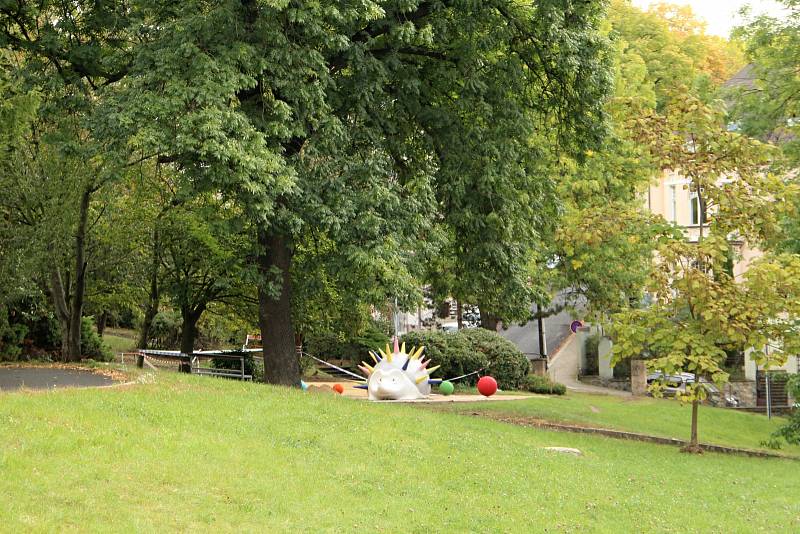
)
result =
(505, 361)
(11, 336)
(667, 46)
(92, 345)
(767, 105)
(698, 309)
(165, 332)
(591, 349)
(543, 385)
(605, 240)
(339, 346)
(384, 131)
(450, 350)
(470, 350)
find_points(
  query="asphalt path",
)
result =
(12, 378)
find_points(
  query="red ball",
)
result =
(339, 389)
(487, 386)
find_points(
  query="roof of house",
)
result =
(745, 77)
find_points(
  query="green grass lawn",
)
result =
(658, 417)
(119, 344)
(119, 339)
(191, 453)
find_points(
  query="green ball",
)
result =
(446, 388)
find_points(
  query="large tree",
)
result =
(370, 121)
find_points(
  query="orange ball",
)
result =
(338, 388)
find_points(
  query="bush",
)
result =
(543, 385)
(252, 367)
(92, 345)
(506, 363)
(450, 350)
(467, 351)
(333, 346)
(592, 350)
(11, 336)
(165, 330)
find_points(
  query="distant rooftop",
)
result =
(744, 78)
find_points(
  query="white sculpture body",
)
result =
(398, 375)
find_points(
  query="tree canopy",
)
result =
(383, 126)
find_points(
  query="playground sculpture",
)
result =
(398, 375)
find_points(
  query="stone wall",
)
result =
(623, 384)
(744, 390)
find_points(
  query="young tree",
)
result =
(202, 256)
(699, 307)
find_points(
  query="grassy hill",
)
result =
(657, 417)
(188, 453)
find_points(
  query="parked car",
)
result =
(676, 383)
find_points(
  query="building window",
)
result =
(695, 210)
(673, 195)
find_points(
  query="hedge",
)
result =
(468, 350)
(542, 384)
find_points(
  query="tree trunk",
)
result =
(155, 295)
(281, 364)
(189, 333)
(101, 321)
(69, 308)
(60, 299)
(76, 308)
(489, 322)
(459, 315)
(694, 442)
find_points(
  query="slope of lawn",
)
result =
(201, 454)
(119, 339)
(658, 417)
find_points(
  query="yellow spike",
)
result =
(375, 358)
(368, 366)
(388, 350)
(432, 369)
(403, 348)
(383, 354)
(389, 357)
(423, 377)
(417, 354)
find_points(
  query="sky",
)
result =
(721, 15)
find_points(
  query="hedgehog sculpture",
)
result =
(398, 375)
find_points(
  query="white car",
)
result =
(677, 383)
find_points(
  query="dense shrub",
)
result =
(592, 351)
(11, 336)
(468, 350)
(165, 330)
(92, 345)
(450, 350)
(790, 431)
(506, 363)
(337, 346)
(252, 367)
(542, 384)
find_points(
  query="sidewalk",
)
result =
(563, 368)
